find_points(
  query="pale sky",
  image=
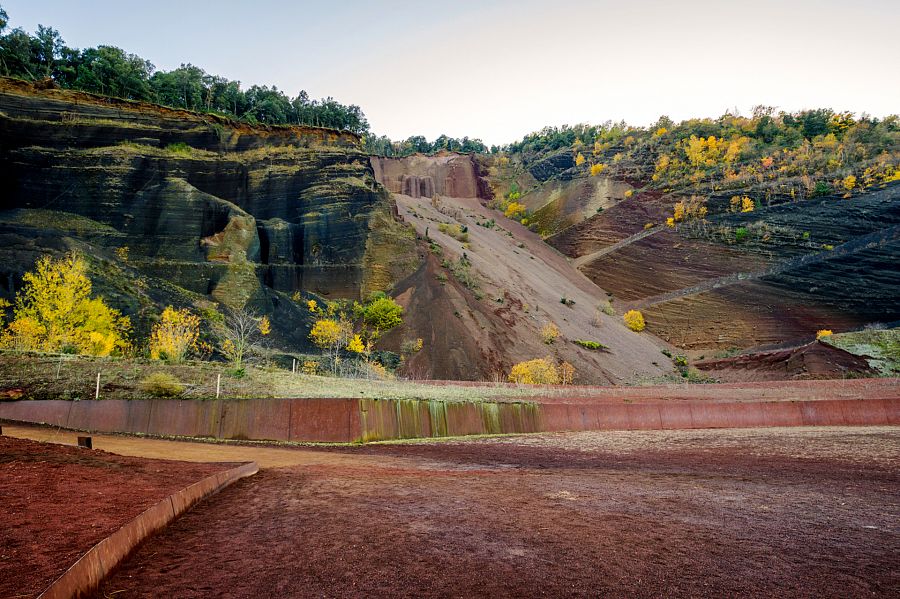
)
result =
(498, 69)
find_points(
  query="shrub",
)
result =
(383, 314)
(634, 320)
(824, 333)
(310, 367)
(174, 335)
(411, 346)
(162, 384)
(515, 210)
(541, 371)
(549, 333)
(566, 373)
(592, 345)
(596, 169)
(740, 234)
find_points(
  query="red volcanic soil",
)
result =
(811, 361)
(58, 501)
(749, 513)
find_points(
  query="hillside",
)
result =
(191, 210)
(488, 286)
(728, 233)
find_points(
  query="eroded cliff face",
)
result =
(446, 174)
(235, 213)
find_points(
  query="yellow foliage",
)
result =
(663, 163)
(824, 333)
(327, 333)
(313, 306)
(175, 335)
(596, 169)
(122, 253)
(515, 210)
(629, 193)
(579, 159)
(549, 333)
(310, 367)
(54, 312)
(734, 149)
(566, 373)
(265, 327)
(670, 222)
(741, 204)
(634, 320)
(661, 131)
(689, 209)
(356, 345)
(849, 182)
(541, 371)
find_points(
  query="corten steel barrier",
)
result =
(363, 420)
(85, 575)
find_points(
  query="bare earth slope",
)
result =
(521, 281)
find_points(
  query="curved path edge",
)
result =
(86, 574)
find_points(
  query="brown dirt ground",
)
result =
(58, 501)
(758, 513)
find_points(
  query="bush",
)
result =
(541, 371)
(162, 384)
(549, 333)
(593, 345)
(634, 320)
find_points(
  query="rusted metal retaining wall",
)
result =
(316, 420)
(85, 575)
(707, 414)
(354, 420)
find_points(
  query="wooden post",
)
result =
(97, 393)
(218, 384)
(293, 365)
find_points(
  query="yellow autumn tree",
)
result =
(689, 209)
(54, 312)
(579, 159)
(175, 335)
(541, 371)
(331, 335)
(549, 333)
(566, 373)
(824, 333)
(634, 320)
(515, 210)
(741, 204)
(596, 169)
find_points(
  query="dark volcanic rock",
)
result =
(214, 207)
(552, 166)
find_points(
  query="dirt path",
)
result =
(59, 501)
(265, 456)
(774, 512)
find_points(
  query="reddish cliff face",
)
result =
(417, 176)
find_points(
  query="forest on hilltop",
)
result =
(111, 71)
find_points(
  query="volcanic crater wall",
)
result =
(212, 206)
(454, 175)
